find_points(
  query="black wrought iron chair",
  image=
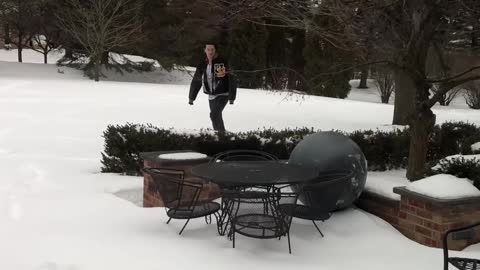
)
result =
(247, 192)
(245, 155)
(320, 197)
(250, 219)
(181, 197)
(464, 233)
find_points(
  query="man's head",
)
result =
(210, 50)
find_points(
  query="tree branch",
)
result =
(454, 77)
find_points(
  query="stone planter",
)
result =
(424, 219)
(152, 160)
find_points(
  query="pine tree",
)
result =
(278, 46)
(323, 58)
(247, 54)
(177, 30)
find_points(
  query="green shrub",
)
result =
(383, 150)
(452, 138)
(460, 167)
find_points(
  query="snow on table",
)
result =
(444, 186)
(183, 156)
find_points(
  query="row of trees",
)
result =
(26, 22)
(311, 45)
(168, 31)
(402, 35)
(173, 32)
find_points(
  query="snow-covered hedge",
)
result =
(383, 150)
(467, 166)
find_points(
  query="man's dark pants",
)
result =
(216, 108)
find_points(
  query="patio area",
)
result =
(101, 231)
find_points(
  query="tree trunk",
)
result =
(6, 28)
(97, 69)
(68, 53)
(45, 56)
(404, 98)
(363, 78)
(20, 59)
(443, 101)
(420, 128)
(104, 60)
(385, 98)
(20, 46)
(474, 37)
(297, 61)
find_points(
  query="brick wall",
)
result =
(151, 198)
(424, 219)
(385, 208)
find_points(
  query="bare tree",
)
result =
(448, 97)
(101, 26)
(403, 34)
(18, 15)
(46, 33)
(385, 82)
(442, 62)
(472, 94)
(44, 44)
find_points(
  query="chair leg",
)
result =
(208, 219)
(265, 206)
(317, 228)
(289, 246)
(184, 226)
(169, 220)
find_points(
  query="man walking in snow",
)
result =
(218, 84)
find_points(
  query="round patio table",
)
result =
(254, 173)
(238, 174)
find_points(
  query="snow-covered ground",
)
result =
(382, 183)
(371, 94)
(58, 212)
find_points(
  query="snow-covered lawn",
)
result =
(382, 183)
(58, 212)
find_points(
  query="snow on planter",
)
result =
(183, 156)
(444, 186)
(476, 147)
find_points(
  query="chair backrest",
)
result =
(243, 155)
(174, 173)
(322, 195)
(175, 193)
(469, 232)
(284, 218)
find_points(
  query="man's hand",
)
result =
(190, 102)
(231, 102)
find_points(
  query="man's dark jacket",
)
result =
(223, 82)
